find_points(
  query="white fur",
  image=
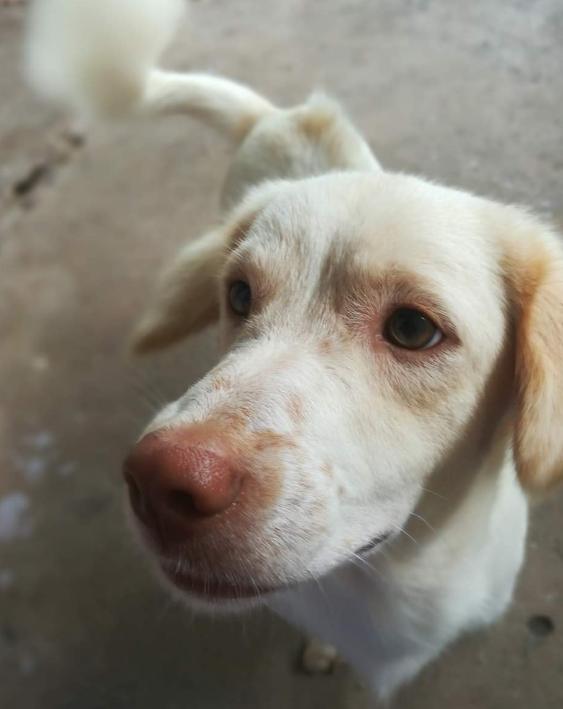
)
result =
(96, 56)
(99, 57)
(383, 441)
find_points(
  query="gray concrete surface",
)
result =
(468, 93)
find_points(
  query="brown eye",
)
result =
(412, 330)
(240, 298)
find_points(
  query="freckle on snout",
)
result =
(295, 409)
(221, 383)
(271, 439)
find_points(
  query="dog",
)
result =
(390, 394)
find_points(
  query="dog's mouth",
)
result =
(214, 589)
(373, 543)
(218, 590)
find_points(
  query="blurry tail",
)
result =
(99, 58)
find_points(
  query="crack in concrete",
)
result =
(39, 173)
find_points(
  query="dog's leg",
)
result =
(318, 657)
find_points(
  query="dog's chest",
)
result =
(362, 617)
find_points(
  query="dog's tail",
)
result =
(99, 57)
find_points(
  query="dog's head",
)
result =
(371, 323)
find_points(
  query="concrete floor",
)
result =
(467, 93)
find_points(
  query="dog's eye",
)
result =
(412, 330)
(240, 298)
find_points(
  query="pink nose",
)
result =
(175, 482)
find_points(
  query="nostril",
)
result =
(182, 503)
(137, 498)
(174, 484)
(134, 492)
(207, 500)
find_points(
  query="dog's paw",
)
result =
(318, 658)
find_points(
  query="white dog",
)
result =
(392, 382)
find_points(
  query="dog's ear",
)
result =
(534, 266)
(186, 298)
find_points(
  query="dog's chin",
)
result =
(233, 595)
(213, 596)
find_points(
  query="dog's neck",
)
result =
(394, 600)
(462, 492)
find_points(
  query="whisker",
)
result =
(149, 387)
(361, 563)
(404, 531)
(331, 614)
(433, 492)
(148, 394)
(425, 521)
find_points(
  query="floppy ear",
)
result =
(186, 298)
(535, 271)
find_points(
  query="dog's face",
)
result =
(370, 326)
